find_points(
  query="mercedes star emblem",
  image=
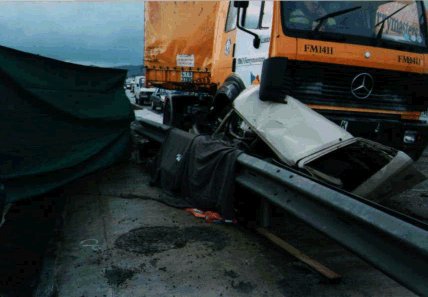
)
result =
(362, 85)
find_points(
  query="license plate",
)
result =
(186, 76)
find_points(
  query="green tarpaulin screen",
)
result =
(59, 121)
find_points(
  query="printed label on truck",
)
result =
(186, 76)
(250, 60)
(227, 47)
(409, 60)
(318, 49)
(185, 60)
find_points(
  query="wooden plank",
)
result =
(323, 270)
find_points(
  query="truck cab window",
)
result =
(231, 17)
(404, 26)
(360, 21)
(267, 15)
(258, 15)
(252, 15)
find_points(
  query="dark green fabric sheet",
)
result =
(59, 121)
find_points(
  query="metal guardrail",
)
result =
(152, 130)
(390, 241)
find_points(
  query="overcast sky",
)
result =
(102, 33)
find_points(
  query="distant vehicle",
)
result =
(157, 99)
(138, 85)
(143, 95)
(131, 83)
(128, 84)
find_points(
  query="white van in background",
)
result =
(138, 84)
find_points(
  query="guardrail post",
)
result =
(265, 213)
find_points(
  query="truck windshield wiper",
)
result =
(382, 22)
(322, 19)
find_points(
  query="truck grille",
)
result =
(330, 84)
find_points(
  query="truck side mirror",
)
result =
(241, 4)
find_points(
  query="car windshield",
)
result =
(399, 22)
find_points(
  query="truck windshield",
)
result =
(394, 23)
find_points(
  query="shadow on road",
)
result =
(24, 237)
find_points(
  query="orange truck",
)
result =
(361, 64)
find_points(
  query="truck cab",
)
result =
(359, 63)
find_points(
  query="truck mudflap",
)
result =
(304, 139)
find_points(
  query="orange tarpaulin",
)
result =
(177, 37)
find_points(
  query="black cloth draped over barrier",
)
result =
(200, 169)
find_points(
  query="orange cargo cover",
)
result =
(179, 38)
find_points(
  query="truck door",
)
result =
(225, 43)
(249, 60)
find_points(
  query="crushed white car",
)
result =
(301, 138)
